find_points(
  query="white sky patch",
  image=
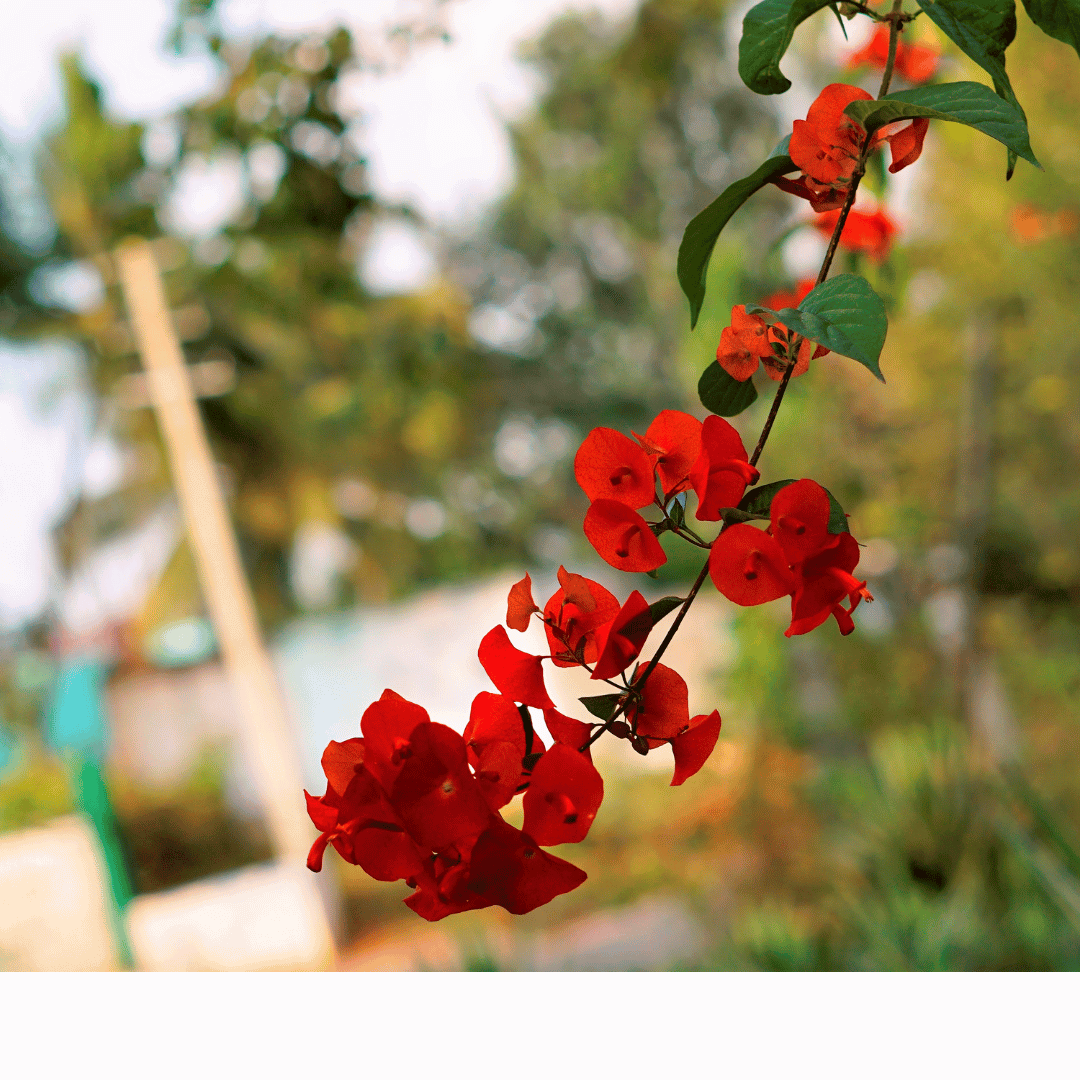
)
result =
(396, 259)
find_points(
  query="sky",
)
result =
(453, 100)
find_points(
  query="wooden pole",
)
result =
(263, 721)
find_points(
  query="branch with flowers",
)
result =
(413, 800)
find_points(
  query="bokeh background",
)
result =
(415, 251)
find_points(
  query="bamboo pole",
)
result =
(263, 721)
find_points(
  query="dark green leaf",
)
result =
(758, 500)
(731, 515)
(844, 314)
(767, 32)
(664, 607)
(723, 395)
(1058, 18)
(969, 103)
(603, 705)
(983, 29)
(701, 234)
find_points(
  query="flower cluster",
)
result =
(797, 556)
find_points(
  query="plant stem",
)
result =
(894, 37)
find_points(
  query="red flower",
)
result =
(572, 616)
(508, 868)
(620, 641)
(870, 234)
(516, 674)
(674, 440)
(799, 521)
(495, 739)
(826, 147)
(722, 471)
(610, 465)
(693, 746)
(388, 725)
(916, 63)
(663, 712)
(749, 566)
(520, 605)
(436, 795)
(622, 537)
(562, 798)
(364, 829)
(825, 581)
(743, 344)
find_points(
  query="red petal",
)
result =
(509, 868)
(499, 773)
(516, 674)
(493, 718)
(520, 605)
(340, 762)
(622, 537)
(693, 747)
(906, 145)
(749, 567)
(386, 724)
(323, 817)
(610, 465)
(664, 710)
(315, 855)
(438, 798)
(574, 612)
(567, 730)
(799, 516)
(562, 798)
(677, 435)
(623, 638)
(722, 470)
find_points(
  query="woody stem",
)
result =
(895, 24)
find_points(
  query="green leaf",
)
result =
(969, 103)
(723, 395)
(603, 705)
(844, 314)
(767, 32)
(758, 500)
(664, 607)
(701, 234)
(983, 29)
(1058, 18)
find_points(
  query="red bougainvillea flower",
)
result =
(387, 725)
(568, 731)
(916, 63)
(693, 746)
(749, 566)
(364, 829)
(673, 439)
(496, 742)
(516, 674)
(820, 198)
(743, 344)
(622, 537)
(663, 711)
(799, 521)
(508, 868)
(722, 471)
(572, 616)
(869, 234)
(826, 145)
(562, 798)
(610, 465)
(825, 581)
(520, 605)
(620, 641)
(435, 793)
